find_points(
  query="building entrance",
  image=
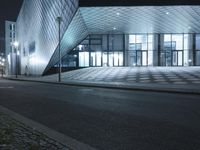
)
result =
(166, 58)
(141, 58)
(172, 58)
(115, 59)
(177, 58)
(95, 59)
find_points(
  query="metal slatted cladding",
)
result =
(75, 33)
(148, 19)
(37, 31)
(143, 19)
(93, 3)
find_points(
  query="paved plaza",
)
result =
(165, 79)
(161, 75)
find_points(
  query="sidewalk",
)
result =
(20, 133)
(184, 80)
(14, 135)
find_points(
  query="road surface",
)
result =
(109, 119)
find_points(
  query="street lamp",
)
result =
(59, 20)
(16, 45)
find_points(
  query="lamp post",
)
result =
(59, 20)
(16, 45)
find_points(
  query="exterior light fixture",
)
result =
(16, 44)
(167, 13)
(118, 14)
(114, 28)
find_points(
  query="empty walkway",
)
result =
(169, 79)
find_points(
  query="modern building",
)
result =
(108, 33)
(10, 49)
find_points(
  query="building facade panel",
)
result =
(37, 31)
(10, 50)
(106, 36)
(75, 33)
(92, 3)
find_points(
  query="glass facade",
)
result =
(141, 50)
(176, 50)
(101, 51)
(197, 49)
(110, 50)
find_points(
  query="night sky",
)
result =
(9, 10)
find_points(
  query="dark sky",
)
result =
(9, 10)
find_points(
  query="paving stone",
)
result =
(16, 136)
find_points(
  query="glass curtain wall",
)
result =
(197, 49)
(141, 50)
(101, 50)
(175, 49)
(188, 50)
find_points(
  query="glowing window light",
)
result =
(98, 54)
(116, 58)
(80, 47)
(9, 62)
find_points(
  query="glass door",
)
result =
(111, 59)
(138, 58)
(144, 58)
(95, 59)
(141, 58)
(92, 59)
(177, 59)
(105, 59)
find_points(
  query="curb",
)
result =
(59, 137)
(112, 86)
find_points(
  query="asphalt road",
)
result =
(109, 119)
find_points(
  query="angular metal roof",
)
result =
(90, 3)
(145, 19)
(126, 20)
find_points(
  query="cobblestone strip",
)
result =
(14, 135)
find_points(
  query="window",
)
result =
(32, 48)
(95, 41)
(84, 59)
(12, 27)
(178, 39)
(140, 41)
(197, 41)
